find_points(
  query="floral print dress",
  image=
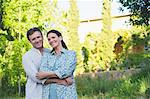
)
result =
(63, 66)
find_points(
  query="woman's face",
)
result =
(54, 40)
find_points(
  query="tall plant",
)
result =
(106, 42)
(72, 26)
(72, 30)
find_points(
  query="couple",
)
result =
(49, 73)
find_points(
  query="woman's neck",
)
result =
(58, 50)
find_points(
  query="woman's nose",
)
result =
(50, 40)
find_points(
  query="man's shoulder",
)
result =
(27, 53)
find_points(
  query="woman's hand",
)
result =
(57, 81)
(62, 82)
(69, 80)
(42, 75)
(66, 82)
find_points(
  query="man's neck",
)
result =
(41, 50)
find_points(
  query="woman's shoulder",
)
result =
(71, 52)
(46, 52)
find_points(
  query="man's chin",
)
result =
(38, 47)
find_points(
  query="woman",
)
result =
(61, 63)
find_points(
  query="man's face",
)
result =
(36, 40)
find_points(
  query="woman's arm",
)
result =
(53, 78)
(44, 74)
(64, 70)
(58, 81)
(68, 68)
(44, 71)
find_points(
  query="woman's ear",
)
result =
(60, 38)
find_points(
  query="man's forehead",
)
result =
(36, 33)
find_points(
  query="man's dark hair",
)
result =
(32, 30)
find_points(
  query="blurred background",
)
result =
(111, 38)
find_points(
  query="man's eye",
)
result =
(38, 37)
(33, 39)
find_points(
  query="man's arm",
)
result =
(30, 68)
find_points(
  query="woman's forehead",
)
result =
(53, 35)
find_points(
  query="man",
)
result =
(31, 62)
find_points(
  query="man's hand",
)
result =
(42, 75)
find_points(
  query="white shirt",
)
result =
(31, 62)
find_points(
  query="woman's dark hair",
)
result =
(32, 30)
(58, 34)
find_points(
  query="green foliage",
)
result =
(140, 35)
(90, 53)
(11, 97)
(72, 26)
(106, 39)
(131, 87)
(13, 76)
(85, 54)
(72, 30)
(139, 9)
(3, 39)
(19, 16)
(136, 85)
(16, 17)
(137, 60)
(98, 51)
(125, 88)
(93, 86)
(132, 53)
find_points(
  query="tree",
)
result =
(90, 54)
(72, 30)
(16, 17)
(72, 26)
(106, 42)
(139, 9)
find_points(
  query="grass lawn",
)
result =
(9, 97)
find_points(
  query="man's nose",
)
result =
(50, 40)
(37, 40)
